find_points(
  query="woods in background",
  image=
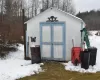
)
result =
(12, 8)
(65, 5)
(11, 21)
(92, 19)
(35, 7)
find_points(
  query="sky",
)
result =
(86, 5)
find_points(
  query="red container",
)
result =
(75, 57)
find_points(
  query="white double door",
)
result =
(52, 41)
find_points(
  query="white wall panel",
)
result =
(46, 34)
(58, 34)
(58, 51)
(46, 51)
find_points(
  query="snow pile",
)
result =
(71, 67)
(15, 67)
(95, 42)
(93, 32)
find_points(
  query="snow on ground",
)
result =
(95, 42)
(93, 32)
(15, 67)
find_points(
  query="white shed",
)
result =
(54, 30)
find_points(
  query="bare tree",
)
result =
(65, 5)
(1, 9)
(13, 9)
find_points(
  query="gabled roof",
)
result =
(53, 8)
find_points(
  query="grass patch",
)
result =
(56, 71)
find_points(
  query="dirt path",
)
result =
(56, 71)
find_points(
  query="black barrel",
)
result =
(82, 56)
(35, 54)
(85, 57)
(93, 53)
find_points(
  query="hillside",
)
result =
(92, 19)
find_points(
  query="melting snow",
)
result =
(15, 67)
(95, 42)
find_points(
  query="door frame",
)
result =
(51, 24)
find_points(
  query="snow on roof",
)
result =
(53, 8)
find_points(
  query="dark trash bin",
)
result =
(81, 56)
(93, 53)
(85, 57)
(35, 55)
